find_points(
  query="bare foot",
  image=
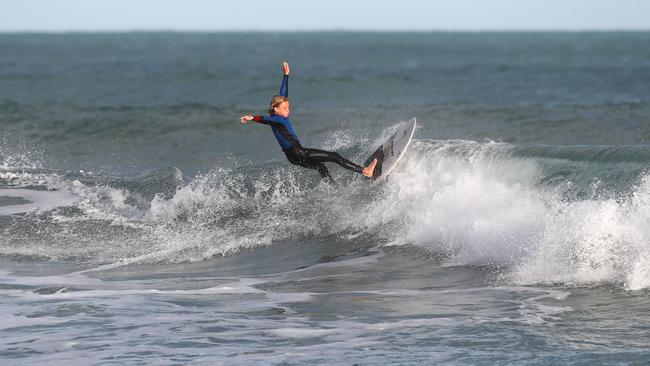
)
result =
(370, 169)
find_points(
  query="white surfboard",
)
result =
(391, 151)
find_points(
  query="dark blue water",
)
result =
(140, 221)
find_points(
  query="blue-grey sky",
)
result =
(288, 15)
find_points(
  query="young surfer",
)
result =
(278, 119)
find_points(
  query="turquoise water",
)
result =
(141, 223)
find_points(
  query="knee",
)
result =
(322, 169)
(293, 160)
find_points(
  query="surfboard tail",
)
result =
(390, 152)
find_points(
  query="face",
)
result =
(282, 110)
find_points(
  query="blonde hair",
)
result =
(275, 102)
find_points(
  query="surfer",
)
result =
(278, 119)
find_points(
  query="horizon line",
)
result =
(332, 30)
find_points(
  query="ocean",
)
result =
(141, 223)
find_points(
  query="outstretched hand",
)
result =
(285, 68)
(244, 119)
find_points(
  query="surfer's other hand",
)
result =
(285, 68)
(244, 119)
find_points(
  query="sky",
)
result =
(306, 15)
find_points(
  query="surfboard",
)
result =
(391, 151)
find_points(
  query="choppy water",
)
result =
(140, 223)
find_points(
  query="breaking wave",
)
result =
(547, 214)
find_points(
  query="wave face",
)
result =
(549, 214)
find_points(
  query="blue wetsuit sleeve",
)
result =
(265, 121)
(284, 88)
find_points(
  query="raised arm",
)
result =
(284, 88)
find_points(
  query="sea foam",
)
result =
(480, 206)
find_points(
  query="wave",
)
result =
(548, 214)
(493, 204)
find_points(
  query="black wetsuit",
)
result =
(295, 152)
(314, 159)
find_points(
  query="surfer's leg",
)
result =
(324, 173)
(322, 156)
(299, 157)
